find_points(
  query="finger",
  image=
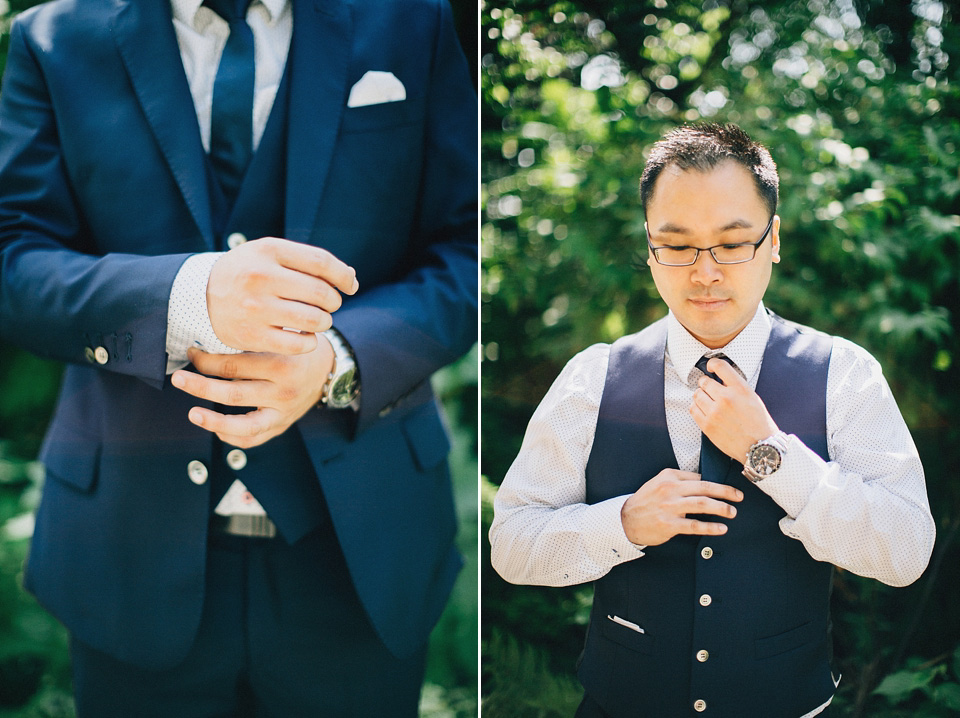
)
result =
(686, 475)
(247, 426)
(249, 365)
(711, 489)
(318, 262)
(307, 289)
(700, 528)
(705, 505)
(725, 371)
(297, 316)
(229, 393)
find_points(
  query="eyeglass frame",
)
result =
(755, 245)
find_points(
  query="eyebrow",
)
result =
(671, 228)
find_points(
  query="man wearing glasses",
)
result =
(709, 471)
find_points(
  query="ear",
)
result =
(775, 239)
(650, 259)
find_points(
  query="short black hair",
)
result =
(702, 147)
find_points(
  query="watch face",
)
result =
(765, 459)
(344, 389)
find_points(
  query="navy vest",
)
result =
(738, 623)
(279, 473)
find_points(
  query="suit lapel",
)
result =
(319, 57)
(143, 30)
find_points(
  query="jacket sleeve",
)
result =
(403, 331)
(60, 297)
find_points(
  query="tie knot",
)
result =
(702, 364)
(230, 10)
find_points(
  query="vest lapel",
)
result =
(145, 38)
(318, 63)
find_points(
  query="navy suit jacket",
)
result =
(103, 195)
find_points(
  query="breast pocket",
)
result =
(383, 116)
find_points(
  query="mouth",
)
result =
(709, 304)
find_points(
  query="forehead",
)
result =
(727, 188)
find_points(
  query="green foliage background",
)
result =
(34, 661)
(859, 103)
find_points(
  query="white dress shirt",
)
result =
(865, 510)
(201, 36)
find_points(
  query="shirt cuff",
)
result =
(188, 321)
(608, 543)
(796, 479)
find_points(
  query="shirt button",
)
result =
(706, 552)
(197, 472)
(101, 355)
(236, 459)
(235, 240)
(702, 656)
(705, 600)
(700, 706)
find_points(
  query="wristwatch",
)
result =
(765, 457)
(342, 387)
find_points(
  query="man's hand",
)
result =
(263, 286)
(281, 388)
(658, 510)
(731, 414)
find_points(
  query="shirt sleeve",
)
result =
(543, 532)
(866, 510)
(188, 323)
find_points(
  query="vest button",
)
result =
(197, 472)
(702, 656)
(235, 240)
(706, 552)
(705, 600)
(236, 459)
(700, 706)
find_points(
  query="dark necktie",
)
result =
(713, 462)
(231, 125)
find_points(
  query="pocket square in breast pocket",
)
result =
(376, 87)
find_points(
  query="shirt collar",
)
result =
(746, 349)
(186, 10)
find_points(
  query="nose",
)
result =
(706, 270)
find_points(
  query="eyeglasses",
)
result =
(721, 253)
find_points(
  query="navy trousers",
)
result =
(283, 635)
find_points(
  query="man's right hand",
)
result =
(658, 510)
(263, 286)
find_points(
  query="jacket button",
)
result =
(236, 459)
(705, 600)
(101, 355)
(700, 706)
(197, 472)
(702, 656)
(235, 240)
(706, 552)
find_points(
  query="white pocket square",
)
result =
(376, 87)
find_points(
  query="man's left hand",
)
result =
(282, 388)
(731, 414)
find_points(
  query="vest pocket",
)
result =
(625, 636)
(771, 646)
